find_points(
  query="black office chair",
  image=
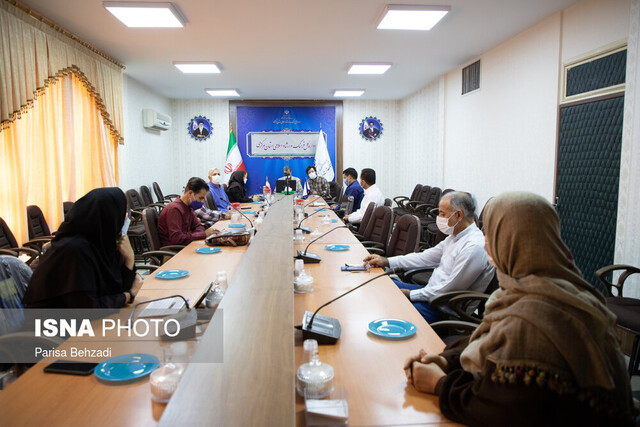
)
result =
(626, 309)
(9, 244)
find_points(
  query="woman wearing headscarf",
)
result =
(236, 189)
(546, 352)
(90, 263)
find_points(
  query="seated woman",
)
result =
(90, 263)
(236, 190)
(546, 352)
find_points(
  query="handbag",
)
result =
(226, 238)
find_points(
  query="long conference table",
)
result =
(254, 385)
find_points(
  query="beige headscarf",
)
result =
(545, 316)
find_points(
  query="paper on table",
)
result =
(335, 410)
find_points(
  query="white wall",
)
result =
(146, 155)
(193, 157)
(382, 154)
(628, 230)
(502, 137)
(419, 158)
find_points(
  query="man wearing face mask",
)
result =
(290, 178)
(217, 190)
(460, 259)
(178, 224)
(317, 185)
(353, 189)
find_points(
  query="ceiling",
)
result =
(296, 49)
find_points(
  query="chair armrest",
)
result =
(406, 276)
(157, 257)
(444, 325)
(376, 251)
(372, 244)
(400, 201)
(149, 267)
(171, 196)
(9, 252)
(460, 303)
(424, 210)
(172, 248)
(358, 236)
(629, 270)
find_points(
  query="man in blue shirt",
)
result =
(353, 187)
(216, 189)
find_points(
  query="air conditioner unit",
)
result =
(151, 119)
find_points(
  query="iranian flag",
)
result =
(234, 158)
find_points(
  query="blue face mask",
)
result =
(346, 183)
(125, 226)
(195, 205)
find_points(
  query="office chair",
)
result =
(9, 245)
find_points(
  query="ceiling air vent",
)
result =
(471, 77)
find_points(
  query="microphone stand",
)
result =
(329, 331)
(305, 229)
(310, 258)
(242, 213)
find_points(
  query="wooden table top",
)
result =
(255, 383)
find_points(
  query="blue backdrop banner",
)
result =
(283, 129)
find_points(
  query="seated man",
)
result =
(460, 259)
(372, 194)
(317, 185)
(354, 189)
(288, 177)
(217, 190)
(178, 224)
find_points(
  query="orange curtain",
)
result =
(56, 151)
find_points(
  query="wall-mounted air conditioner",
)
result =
(151, 119)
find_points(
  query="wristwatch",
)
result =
(131, 297)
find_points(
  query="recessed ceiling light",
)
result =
(345, 93)
(146, 14)
(368, 68)
(411, 17)
(222, 92)
(198, 67)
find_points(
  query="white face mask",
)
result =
(215, 179)
(312, 175)
(443, 225)
(245, 180)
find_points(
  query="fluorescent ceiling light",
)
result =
(368, 68)
(345, 93)
(409, 17)
(198, 67)
(222, 92)
(146, 14)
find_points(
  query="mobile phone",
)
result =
(70, 367)
(245, 207)
(354, 268)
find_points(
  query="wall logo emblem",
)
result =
(200, 128)
(370, 128)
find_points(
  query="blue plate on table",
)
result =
(171, 274)
(256, 203)
(392, 329)
(208, 250)
(250, 212)
(237, 225)
(320, 209)
(337, 248)
(334, 220)
(127, 367)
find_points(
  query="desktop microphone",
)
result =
(241, 213)
(186, 320)
(306, 229)
(310, 258)
(313, 201)
(327, 330)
